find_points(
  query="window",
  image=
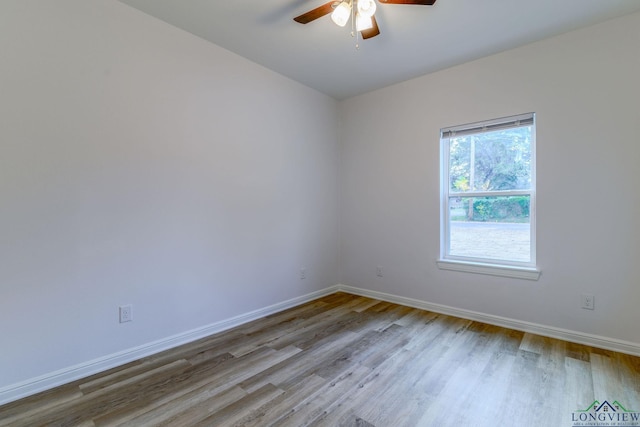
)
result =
(488, 197)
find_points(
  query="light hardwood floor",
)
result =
(347, 360)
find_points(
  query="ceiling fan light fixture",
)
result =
(366, 8)
(363, 22)
(341, 14)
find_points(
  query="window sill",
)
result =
(490, 269)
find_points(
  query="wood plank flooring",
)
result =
(346, 360)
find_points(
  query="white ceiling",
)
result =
(414, 40)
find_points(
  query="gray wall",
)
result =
(583, 87)
(142, 165)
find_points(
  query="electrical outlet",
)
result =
(379, 271)
(303, 273)
(126, 313)
(588, 301)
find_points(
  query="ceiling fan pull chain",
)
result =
(354, 30)
(353, 21)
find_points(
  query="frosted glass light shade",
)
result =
(366, 7)
(363, 22)
(341, 14)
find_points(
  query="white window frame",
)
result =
(508, 268)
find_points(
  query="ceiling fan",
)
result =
(361, 13)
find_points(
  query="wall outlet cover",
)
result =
(587, 301)
(126, 313)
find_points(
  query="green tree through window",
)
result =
(488, 194)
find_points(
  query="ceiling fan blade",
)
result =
(420, 2)
(371, 32)
(316, 13)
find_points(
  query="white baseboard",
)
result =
(82, 370)
(63, 376)
(534, 328)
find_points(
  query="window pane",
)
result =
(490, 227)
(498, 160)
